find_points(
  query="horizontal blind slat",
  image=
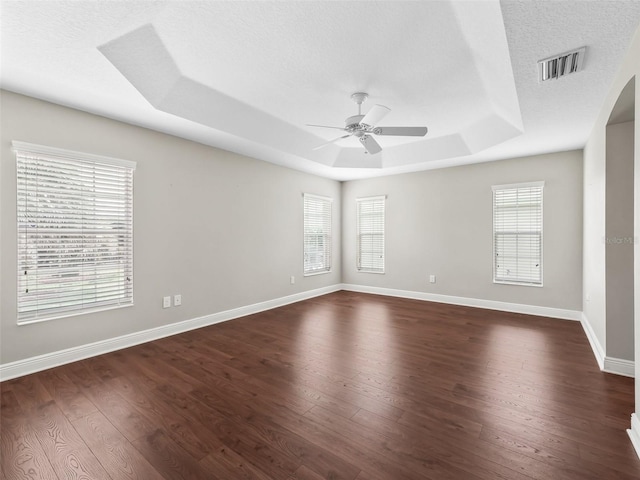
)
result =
(370, 234)
(75, 234)
(517, 227)
(317, 241)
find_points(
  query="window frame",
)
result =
(519, 281)
(327, 221)
(85, 170)
(359, 251)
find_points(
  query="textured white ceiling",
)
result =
(249, 76)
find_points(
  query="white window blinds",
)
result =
(317, 234)
(370, 234)
(75, 232)
(517, 233)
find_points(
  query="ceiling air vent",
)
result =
(561, 65)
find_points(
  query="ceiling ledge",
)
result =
(144, 60)
(147, 63)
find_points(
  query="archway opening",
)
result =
(619, 220)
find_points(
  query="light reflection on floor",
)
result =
(347, 346)
(516, 358)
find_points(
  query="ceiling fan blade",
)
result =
(325, 126)
(330, 142)
(373, 116)
(370, 144)
(403, 131)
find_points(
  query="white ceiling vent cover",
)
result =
(561, 65)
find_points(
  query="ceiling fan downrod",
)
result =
(359, 98)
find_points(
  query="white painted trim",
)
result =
(469, 302)
(375, 197)
(619, 366)
(518, 185)
(319, 197)
(32, 148)
(54, 359)
(634, 433)
(596, 347)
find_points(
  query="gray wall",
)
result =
(619, 240)
(225, 231)
(439, 222)
(221, 229)
(595, 207)
(609, 216)
(594, 252)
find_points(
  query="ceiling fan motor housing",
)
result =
(353, 125)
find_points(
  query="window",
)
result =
(75, 232)
(517, 233)
(370, 234)
(317, 234)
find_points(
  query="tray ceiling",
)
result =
(249, 76)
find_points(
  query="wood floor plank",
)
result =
(230, 465)
(73, 403)
(9, 404)
(170, 459)
(245, 442)
(322, 461)
(361, 455)
(29, 392)
(69, 455)
(262, 441)
(623, 460)
(132, 423)
(346, 386)
(213, 372)
(303, 473)
(115, 453)
(22, 455)
(388, 440)
(571, 468)
(192, 436)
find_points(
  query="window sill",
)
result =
(313, 274)
(519, 284)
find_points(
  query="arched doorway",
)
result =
(619, 228)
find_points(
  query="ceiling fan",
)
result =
(362, 126)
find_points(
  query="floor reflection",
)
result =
(340, 343)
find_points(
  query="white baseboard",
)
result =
(43, 362)
(596, 347)
(634, 433)
(469, 302)
(614, 365)
(619, 366)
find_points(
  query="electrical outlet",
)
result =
(292, 279)
(166, 302)
(432, 279)
(177, 300)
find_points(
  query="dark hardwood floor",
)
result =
(344, 386)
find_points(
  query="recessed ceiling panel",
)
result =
(249, 76)
(220, 83)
